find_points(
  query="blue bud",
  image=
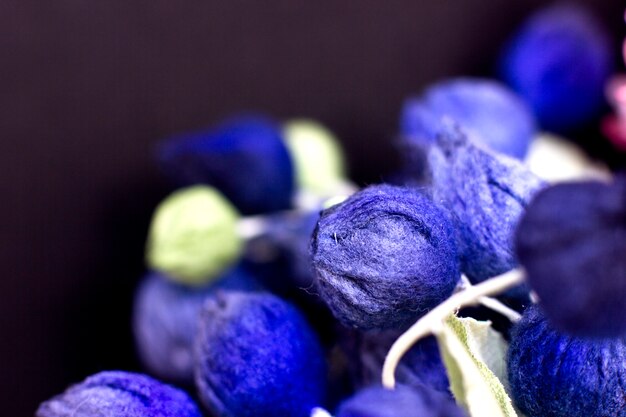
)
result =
(165, 320)
(421, 365)
(245, 158)
(291, 234)
(487, 192)
(384, 257)
(559, 62)
(555, 375)
(120, 394)
(400, 402)
(257, 356)
(486, 109)
(571, 242)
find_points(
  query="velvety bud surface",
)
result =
(571, 242)
(555, 375)
(487, 192)
(384, 257)
(120, 394)
(257, 356)
(559, 62)
(400, 402)
(245, 158)
(166, 317)
(487, 109)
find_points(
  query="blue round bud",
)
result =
(571, 243)
(487, 110)
(559, 62)
(120, 394)
(384, 257)
(400, 402)
(421, 365)
(487, 192)
(257, 356)
(166, 317)
(555, 375)
(245, 158)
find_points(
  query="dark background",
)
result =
(87, 88)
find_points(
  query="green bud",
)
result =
(193, 236)
(317, 156)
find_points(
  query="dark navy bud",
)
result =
(421, 365)
(571, 242)
(245, 158)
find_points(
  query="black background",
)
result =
(87, 88)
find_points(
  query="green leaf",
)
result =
(474, 355)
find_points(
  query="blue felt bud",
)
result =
(120, 394)
(559, 62)
(554, 375)
(487, 192)
(384, 257)
(486, 109)
(257, 356)
(166, 317)
(245, 158)
(400, 402)
(571, 242)
(421, 365)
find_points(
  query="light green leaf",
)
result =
(474, 355)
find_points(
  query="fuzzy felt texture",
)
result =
(166, 316)
(257, 356)
(487, 193)
(421, 365)
(559, 62)
(486, 109)
(384, 257)
(120, 394)
(555, 375)
(400, 402)
(244, 157)
(571, 242)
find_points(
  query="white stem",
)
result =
(320, 412)
(433, 320)
(251, 227)
(501, 308)
(492, 303)
(305, 201)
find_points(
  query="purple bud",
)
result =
(384, 257)
(555, 375)
(559, 62)
(120, 394)
(486, 109)
(487, 193)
